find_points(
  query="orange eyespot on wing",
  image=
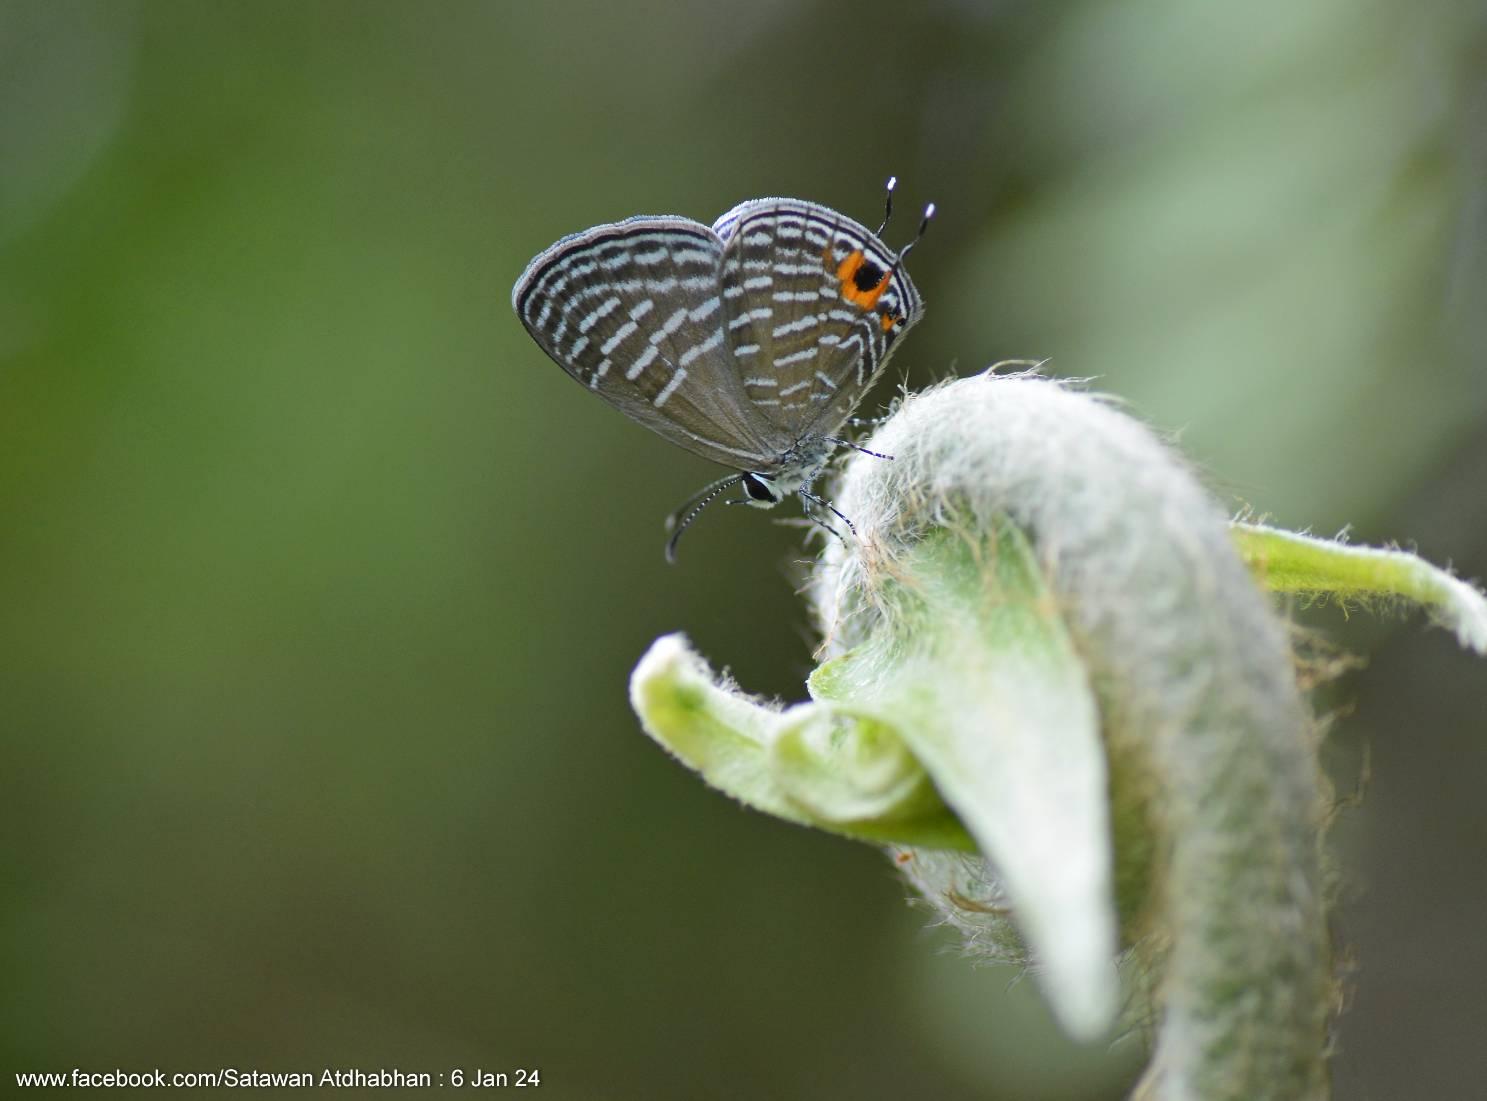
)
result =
(863, 282)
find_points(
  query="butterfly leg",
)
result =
(822, 524)
(807, 499)
(854, 447)
(881, 418)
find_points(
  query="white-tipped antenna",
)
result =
(929, 212)
(887, 204)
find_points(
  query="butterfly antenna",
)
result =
(887, 204)
(929, 212)
(682, 518)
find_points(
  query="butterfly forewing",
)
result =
(813, 307)
(635, 312)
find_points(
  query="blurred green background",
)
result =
(320, 584)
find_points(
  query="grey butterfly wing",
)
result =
(814, 307)
(633, 310)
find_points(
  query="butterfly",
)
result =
(749, 342)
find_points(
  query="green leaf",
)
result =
(969, 716)
(975, 670)
(1288, 562)
(815, 765)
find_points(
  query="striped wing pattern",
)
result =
(634, 311)
(737, 342)
(813, 307)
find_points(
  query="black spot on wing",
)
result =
(867, 276)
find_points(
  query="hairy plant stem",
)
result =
(1215, 794)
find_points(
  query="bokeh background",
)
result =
(320, 585)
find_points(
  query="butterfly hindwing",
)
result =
(634, 311)
(814, 306)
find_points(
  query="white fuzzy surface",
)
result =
(1198, 699)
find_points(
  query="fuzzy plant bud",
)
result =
(1053, 685)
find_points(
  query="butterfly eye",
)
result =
(759, 489)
